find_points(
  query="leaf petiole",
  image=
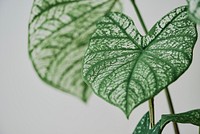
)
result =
(139, 16)
(151, 112)
(171, 108)
(199, 130)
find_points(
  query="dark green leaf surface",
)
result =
(125, 68)
(194, 10)
(143, 126)
(156, 129)
(191, 117)
(59, 31)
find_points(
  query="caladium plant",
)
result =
(120, 65)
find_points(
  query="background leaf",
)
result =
(194, 10)
(125, 68)
(58, 36)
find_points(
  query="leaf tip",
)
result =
(127, 113)
(85, 99)
(127, 117)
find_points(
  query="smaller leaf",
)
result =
(143, 125)
(194, 10)
(191, 117)
(156, 129)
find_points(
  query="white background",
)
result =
(29, 106)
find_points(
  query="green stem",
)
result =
(151, 101)
(171, 108)
(139, 16)
(199, 130)
(151, 112)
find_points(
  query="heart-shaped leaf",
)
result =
(59, 31)
(194, 10)
(125, 68)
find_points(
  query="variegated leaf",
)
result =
(59, 31)
(126, 69)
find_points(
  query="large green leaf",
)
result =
(59, 31)
(194, 10)
(125, 68)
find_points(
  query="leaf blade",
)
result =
(141, 69)
(58, 34)
(191, 117)
(143, 125)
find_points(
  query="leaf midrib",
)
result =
(138, 59)
(129, 80)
